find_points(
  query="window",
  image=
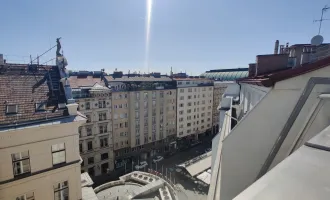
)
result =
(146, 95)
(126, 124)
(181, 112)
(137, 105)
(90, 160)
(102, 116)
(88, 116)
(89, 145)
(61, 191)
(115, 116)
(120, 105)
(188, 131)
(181, 126)
(88, 105)
(189, 89)
(79, 131)
(21, 162)
(89, 130)
(104, 156)
(189, 111)
(145, 113)
(180, 119)
(189, 104)
(103, 128)
(138, 95)
(153, 94)
(120, 96)
(137, 141)
(189, 97)
(103, 142)
(153, 103)
(115, 106)
(80, 147)
(181, 105)
(137, 115)
(181, 133)
(145, 104)
(189, 124)
(161, 94)
(125, 96)
(102, 104)
(188, 117)
(210, 89)
(27, 196)
(40, 107)
(58, 152)
(182, 98)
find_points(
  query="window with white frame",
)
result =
(138, 95)
(21, 162)
(102, 116)
(61, 191)
(103, 142)
(27, 196)
(102, 104)
(103, 128)
(153, 94)
(146, 95)
(181, 90)
(58, 153)
(88, 105)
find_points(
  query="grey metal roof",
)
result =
(138, 78)
(304, 175)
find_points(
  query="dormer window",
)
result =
(40, 107)
(11, 109)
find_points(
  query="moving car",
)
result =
(141, 165)
(157, 159)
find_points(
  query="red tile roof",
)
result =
(268, 80)
(16, 89)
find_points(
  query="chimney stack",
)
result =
(277, 43)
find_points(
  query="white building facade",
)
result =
(194, 107)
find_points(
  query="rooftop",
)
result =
(138, 77)
(226, 74)
(88, 81)
(18, 99)
(270, 79)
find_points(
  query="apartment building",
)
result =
(218, 91)
(144, 115)
(95, 136)
(194, 107)
(39, 157)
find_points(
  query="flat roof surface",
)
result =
(205, 177)
(304, 175)
(88, 194)
(199, 166)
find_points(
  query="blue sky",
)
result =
(189, 35)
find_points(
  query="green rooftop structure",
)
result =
(226, 74)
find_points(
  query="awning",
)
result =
(205, 177)
(199, 166)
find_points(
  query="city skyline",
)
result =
(190, 36)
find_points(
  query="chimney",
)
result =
(277, 43)
(252, 69)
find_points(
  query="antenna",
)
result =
(321, 20)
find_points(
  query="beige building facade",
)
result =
(194, 107)
(96, 135)
(39, 156)
(218, 91)
(144, 109)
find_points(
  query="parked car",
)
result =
(157, 159)
(141, 165)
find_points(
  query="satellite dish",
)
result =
(317, 40)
